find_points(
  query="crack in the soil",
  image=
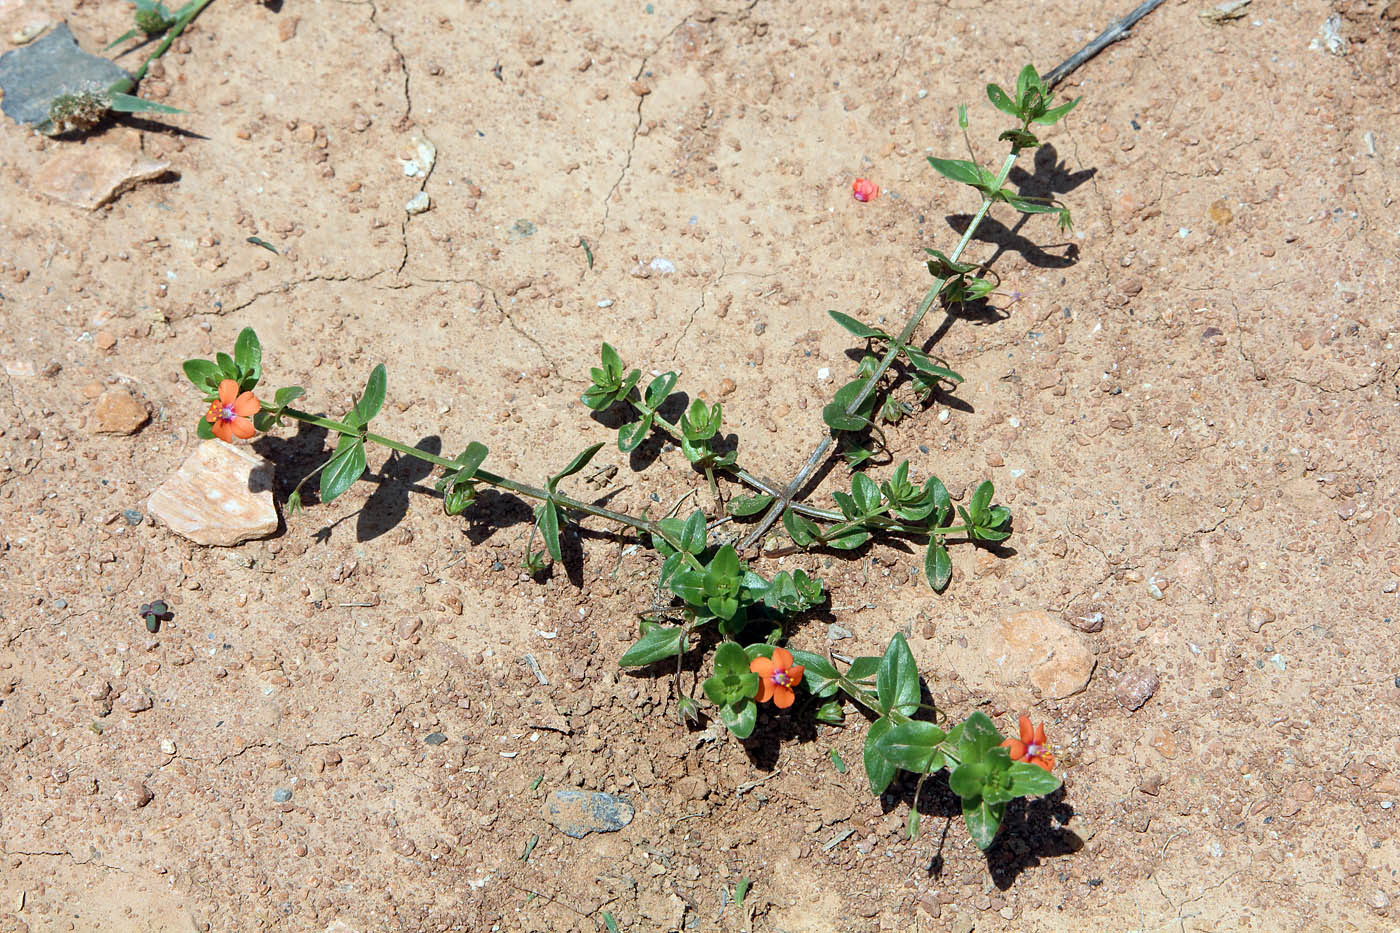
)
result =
(685, 331)
(496, 300)
(65, 853)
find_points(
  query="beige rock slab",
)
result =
(221, 495)
(89, 176)
(1034, 648)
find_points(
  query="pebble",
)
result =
(577, 813)
(662, 266)
(90, 175)
(1032, 646)
(435, 738)
(133, 795)
(136, 702)
(132, 516)
(419, 203)
(835, 632)
(221, 496)
(281, 795)
(167, 747)
(1220, 213)
(1379, 900)
(119, 412)
(1135, 688)
(1259, 616)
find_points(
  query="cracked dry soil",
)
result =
(1190, 408)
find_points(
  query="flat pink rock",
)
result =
(221, 496)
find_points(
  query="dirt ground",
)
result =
(1189, 403)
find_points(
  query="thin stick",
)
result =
(1118, 29)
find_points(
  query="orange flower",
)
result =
(776, 677)
(232, 414)
(1031, 747)
(863, 189)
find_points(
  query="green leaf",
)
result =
(205, 375)
(897, 681)
(924, 363)
(833, 715)
(945, 265)
(1026, 82)
(227, 367)
(630, 436)
(287, 395)
(801, 530)
(878, 771)
(856, 327)
(863, 668)
(129, 34)
(597, 397)
(204, 430)
(1028, 780)
(578, 463)
(1027, 205)
(981, 498)
(126, 103)
(835, 416)
(978, 737)
(752, 505)
(1056, 114)
(725, 565)
(740, 720)
(819, 675)
(913, 746)
(373, 398)
(659, 388)
(938, 566)
(1000, 101)
(1019, 139)
(247, 353)
(983, 820)
(661, 641)
(865, 493)
(849, 541)
(965, 172)
(612, 363)
(968, 778)
(731, 658)
(345, 466)
(962, 116)
(549, 528)
(469, 460)
(692, 535)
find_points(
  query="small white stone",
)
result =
(605, 303)
(824, 374)
(663, 266)
(419, 203)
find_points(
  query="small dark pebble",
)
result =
(281, 795)
(498, 566)
(132, 516)
(435, 738)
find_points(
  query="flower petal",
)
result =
(228, 391)
(782, 658)
(795, 674)
(243, 428)
(783, 696)
(1027, 732)
(1017, 749)
(223, 430)
(246, 405)
(762, 666)
(1040, 734)
(1045, 761)
(213, 414)
(765, 690)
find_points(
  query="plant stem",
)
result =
(765, 486)
(784, 499)
(484, 476)
(171, 34)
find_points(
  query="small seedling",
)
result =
(718, 595)
(155, 613)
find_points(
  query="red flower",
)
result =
(232, 414)
(776, 677)
(863, 189)
(1031, 747)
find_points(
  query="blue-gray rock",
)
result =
(281, 795)
(435, 738)
(577, 813)
(33, 76)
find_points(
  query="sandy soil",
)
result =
(1191, 408)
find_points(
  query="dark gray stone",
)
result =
(34, 75)
(577, 813)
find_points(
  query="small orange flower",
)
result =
(863, 189)
(776, 677)
(1031, 747)
(232, 414)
